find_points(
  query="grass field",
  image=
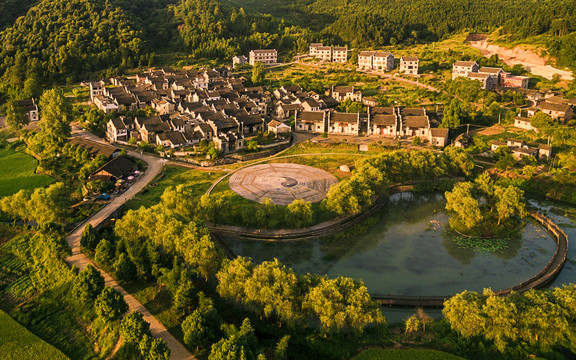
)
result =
(18, 171)
(409, 354)
(198, 181)
(17, 343)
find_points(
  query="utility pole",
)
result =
(467, 129)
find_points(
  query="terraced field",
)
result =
(18, 171)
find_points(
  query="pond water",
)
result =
(409, 252)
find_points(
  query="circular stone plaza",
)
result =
(282, 183)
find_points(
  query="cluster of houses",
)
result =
(559, 108)
(265, 56)
(337, 54)
(519, 149)
(379, 121)
(192, 106)
(290, 99)
(490, 77)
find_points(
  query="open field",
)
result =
(17, 343)
(18, 171)
(410, 354)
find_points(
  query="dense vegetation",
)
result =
(483, 209)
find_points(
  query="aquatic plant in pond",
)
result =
(480, 245)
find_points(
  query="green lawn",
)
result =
(198, 181)
(17, 343)
(18, 171)
(409, 354)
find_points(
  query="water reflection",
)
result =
(407, 252)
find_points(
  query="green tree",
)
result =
(56, 115)
(197, 329)
(124, 268)
(462, 202)
(104, 254)
(15, 116)
(238, 345)
(184, 297)
(342, 304)
(543, 122)
(89, 239)
(88, 284)
(281, 350)
(453, 115)
(300, 213)
(110, 304)
(133, 328)
(153, 349)
(509, 202)
(258, 73)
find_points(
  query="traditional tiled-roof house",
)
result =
(341, 93)
(438, 137)
(311, 121)
(344, 123)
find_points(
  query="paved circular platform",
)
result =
(282, 183)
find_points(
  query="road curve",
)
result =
(80, 260)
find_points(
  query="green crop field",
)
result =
(16, 342)
(18, 171)
(410, 354)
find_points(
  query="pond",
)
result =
(410, 252)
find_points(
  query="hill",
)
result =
(69, 39)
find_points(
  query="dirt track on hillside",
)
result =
(534, 63)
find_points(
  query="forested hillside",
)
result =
(60, 39)
(70, 40)
(368, 23)
(11, 9)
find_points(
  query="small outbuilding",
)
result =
(113, 170)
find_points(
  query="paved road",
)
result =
(78, 259)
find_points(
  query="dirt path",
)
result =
(531, 61)
(78, 259)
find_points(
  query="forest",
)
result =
(56, 41)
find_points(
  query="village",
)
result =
(213, 108)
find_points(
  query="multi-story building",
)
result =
(313, 50)
(340, 54)
(409, 65)
(268, 56)
(329, 53)
(383, 61)
(324, 53)
(366, 60)
(464, 68)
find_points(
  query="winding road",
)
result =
(80, 260)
